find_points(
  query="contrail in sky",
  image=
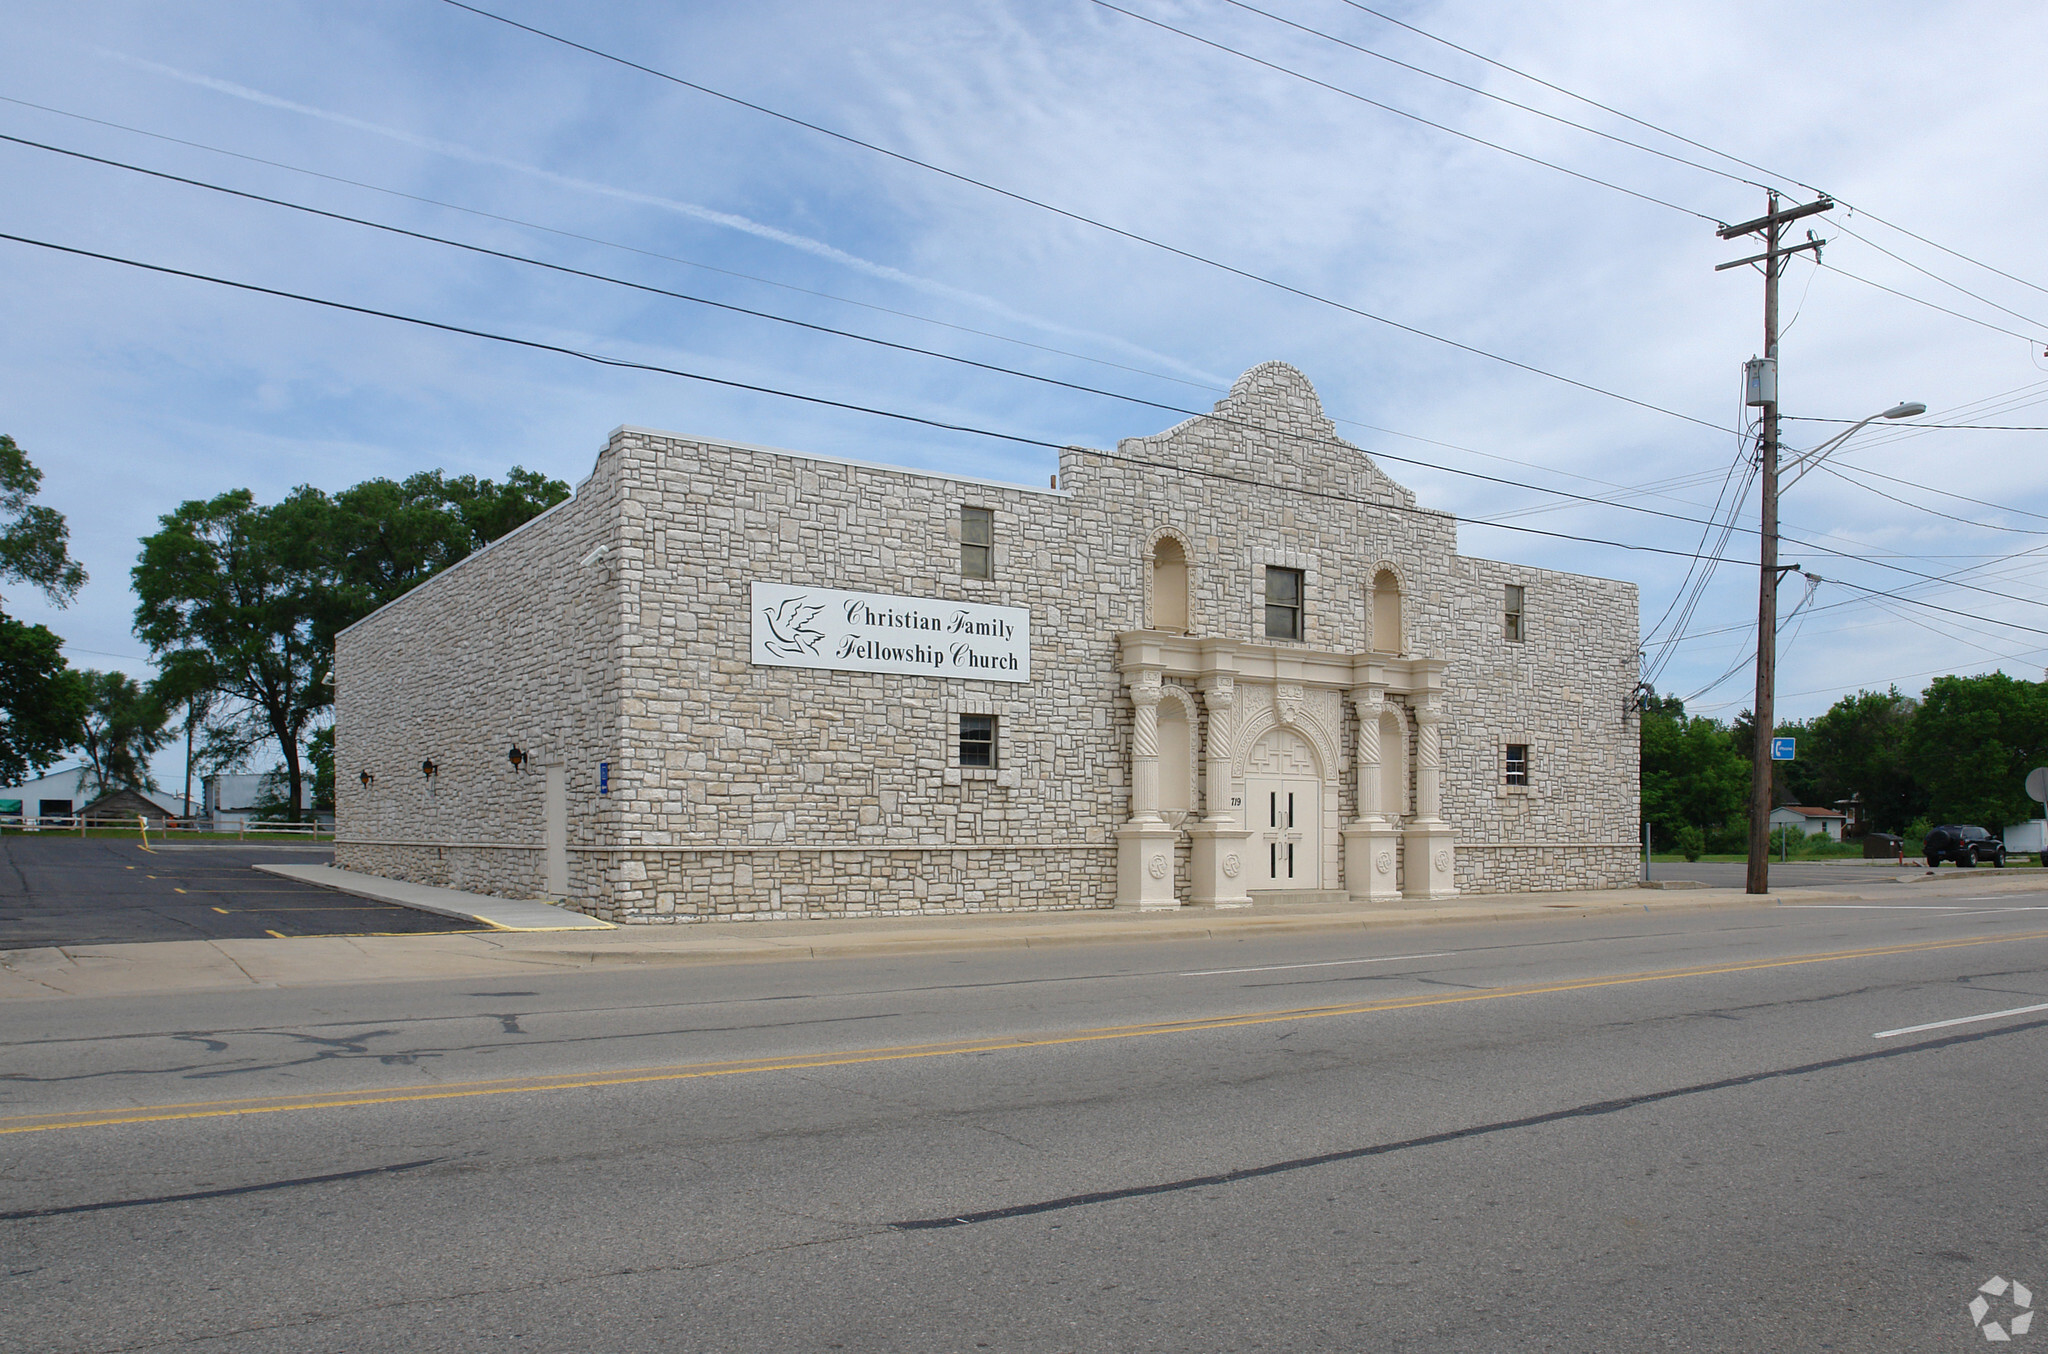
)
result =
(692, 210)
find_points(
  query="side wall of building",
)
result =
(1562, 692)
(516, 646)
(746, 791)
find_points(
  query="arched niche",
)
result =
(1393, 763)
(1387, 634)
(1169, 585)
(1176, 755)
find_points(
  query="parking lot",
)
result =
(66, 891)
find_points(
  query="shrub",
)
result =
(1692, 843)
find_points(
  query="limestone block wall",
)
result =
(514, 646)
(744, 790)
(1564, 692)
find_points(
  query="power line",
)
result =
(1496, 98)
(645, 253)
(943, 425)
(785, 286)
(1923, 301)
(1698, 145)
(1945, 427)
(1985, 300)
(841, 333)
(1591, 103)
(782, 319)
(1400, 112)
(1078, 217)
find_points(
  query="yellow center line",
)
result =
(213, 1109)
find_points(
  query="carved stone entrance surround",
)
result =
(1249, 689)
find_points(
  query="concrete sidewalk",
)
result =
(502, 914)
(228, 965)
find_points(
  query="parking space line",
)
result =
(1960, 1020)
(1320, 963)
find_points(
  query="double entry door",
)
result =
(1287, 841)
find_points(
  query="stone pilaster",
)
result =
(1369, 840)
(1144, 851)
(1218, 860)
(1431, 856)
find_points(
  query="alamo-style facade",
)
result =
(1230, 662)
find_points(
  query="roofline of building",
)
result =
(612, 437)
(843, 460)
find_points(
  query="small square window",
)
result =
(1283, 603)
(1516, 631)
(978, 740)
(977, 542)
(1518, 764)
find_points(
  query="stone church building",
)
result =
(1227, 662)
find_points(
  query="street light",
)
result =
(1770, 571)
(1801, 464)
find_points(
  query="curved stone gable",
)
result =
(1272, 426)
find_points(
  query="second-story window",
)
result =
(1515, 630)
(977, 543)
(1518, 764)
(1283, 603)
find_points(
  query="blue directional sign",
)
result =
(1782, 749)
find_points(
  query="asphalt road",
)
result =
(1696, 1131)
(57, 890)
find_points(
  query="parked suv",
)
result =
(1963, 843)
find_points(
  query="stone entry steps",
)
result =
(1297, 897)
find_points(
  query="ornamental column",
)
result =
(1145, 747)
(1428, 762)
(1370, 841)
(1217, 857)
(1145, 844)
(1430, 854)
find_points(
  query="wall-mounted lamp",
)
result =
(516, 757)
(367, 778)
(427, 768)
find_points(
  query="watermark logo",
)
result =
(2002, 1309)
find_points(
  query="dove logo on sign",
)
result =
(790, 632)
(797, 627)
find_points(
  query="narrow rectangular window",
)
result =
(977, 740)
(977, 542)
(1516, 633)
(1283, 603)
(1518, 764)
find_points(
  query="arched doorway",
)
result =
(1284, 809)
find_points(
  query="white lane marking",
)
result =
(1876, 907)
(1320, 963)
(1961, 1020)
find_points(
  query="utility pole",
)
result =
(1762, 390)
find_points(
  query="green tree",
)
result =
(227, 593)
(1858, 750)
(41, 701)
(1692, 774)
(34, 539)
(245, 601)
(122, 724)
(1973, 740)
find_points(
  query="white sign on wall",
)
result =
(798, 627)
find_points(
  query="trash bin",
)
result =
(1880, 846)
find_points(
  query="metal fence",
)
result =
(241, 831)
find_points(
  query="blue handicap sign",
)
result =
(1782, 749)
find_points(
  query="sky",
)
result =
(1548, 310)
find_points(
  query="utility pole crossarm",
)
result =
(1774, 217)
